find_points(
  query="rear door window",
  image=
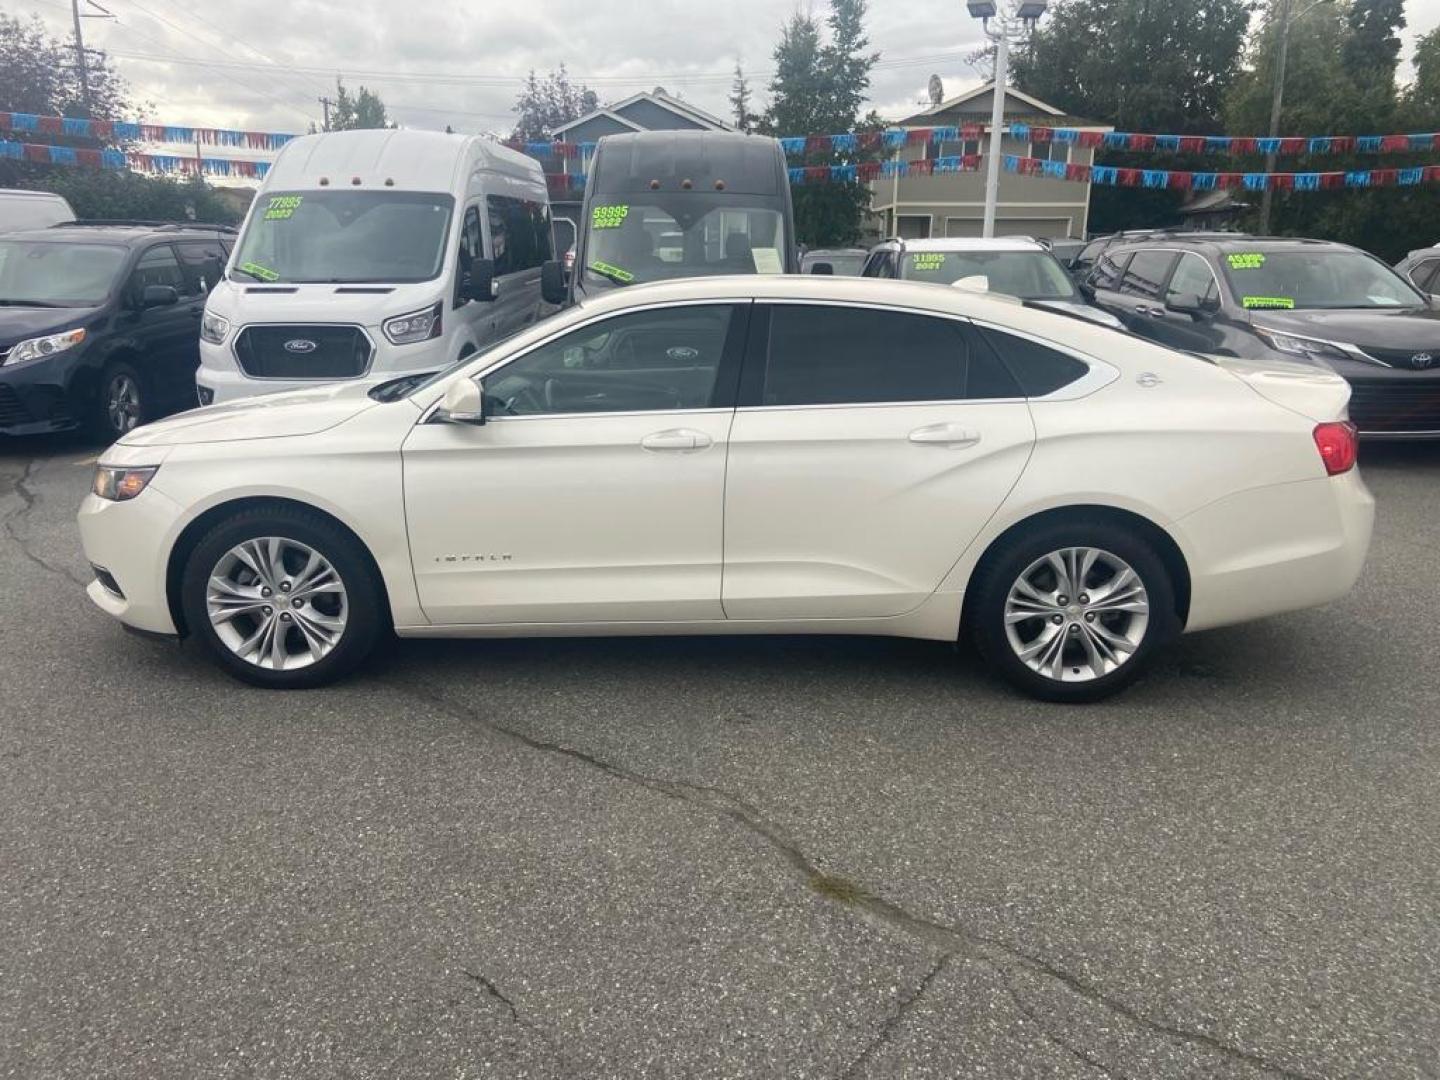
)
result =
(1109, 270)
(1426, 275)
(158, 266)
(1193, 275)
(830, 355)
(1146, 273)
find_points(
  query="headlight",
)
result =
(41, 347)
(120, 484)
(213, 328)
(1302, 346)
(416, 326)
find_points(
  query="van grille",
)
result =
(1395, 405)
(303, 352)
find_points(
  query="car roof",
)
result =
(837, 251)
(1223, 243)
(972, 243)
(82, 232)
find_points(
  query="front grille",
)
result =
(334, 352)
(1395, 405)
(1404, 359)
(12, 409)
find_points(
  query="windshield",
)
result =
(638, 238)
(39, 273)
(844, 263)
(1029, 275)
(345, 237)
(1286, 280)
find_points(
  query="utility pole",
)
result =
(1267, 197)
(80, 59)
(325, 103)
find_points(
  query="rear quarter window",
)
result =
(1038, 369)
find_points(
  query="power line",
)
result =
(230, 38)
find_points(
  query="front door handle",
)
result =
(676, 439)
(945, 435)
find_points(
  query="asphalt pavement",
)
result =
(743, 857)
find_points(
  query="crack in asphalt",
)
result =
(494, 992)
(892, 1022)
(20, 486)
(949, 941)
(1049, 1035)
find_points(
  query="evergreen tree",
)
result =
(545, 104)
(745, 120)
(1422, 99)
(818, 88)
(353, 112)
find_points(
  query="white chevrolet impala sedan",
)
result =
(747, 456)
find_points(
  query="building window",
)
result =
(913, 226)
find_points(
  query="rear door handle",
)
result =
(945, 435)
(676, 439)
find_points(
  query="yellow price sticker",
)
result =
(924, 261)
(608, 217)
(1249, 260)
(1284, 303)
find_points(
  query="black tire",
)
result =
(119, 378)
(1001, 569)
(367, 619)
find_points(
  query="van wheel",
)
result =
(121, 402)
(283, 598)
(1073, 612)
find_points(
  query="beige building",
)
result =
(953, 204)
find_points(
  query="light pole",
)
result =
(1000, 25)
(1282, 55)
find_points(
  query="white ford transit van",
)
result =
(376, 252)
(32, 210)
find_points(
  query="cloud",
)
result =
(264, 63)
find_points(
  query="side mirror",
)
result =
(463, 403)
(1086, 289)
(822, 268)
(1187, 304)
(153, 296)
(483, 286)
(552, 282)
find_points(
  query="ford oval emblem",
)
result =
(682, 352)
(300, 345)
(1421, 360)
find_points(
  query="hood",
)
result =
(1081, 310)
(18, 324)
(275, 416)
(1404, 328)
(1314, 392)
(244, 302)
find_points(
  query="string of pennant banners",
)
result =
(135, 131)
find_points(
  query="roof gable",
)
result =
(657, 98)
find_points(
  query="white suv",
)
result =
(739, 456)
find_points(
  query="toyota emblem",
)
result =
(300, 345)
(1421, 360)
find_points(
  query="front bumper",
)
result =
(36, 398)
(1275, 549)
(132, 541)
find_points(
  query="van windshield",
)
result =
(633, 239)
(40, 273)
(344, 237)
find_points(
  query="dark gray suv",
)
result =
(1313, 300)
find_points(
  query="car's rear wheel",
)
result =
(283, 598)
(121, 403)
(1073, 612)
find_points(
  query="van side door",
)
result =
(521, 241)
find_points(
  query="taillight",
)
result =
(1338, 445)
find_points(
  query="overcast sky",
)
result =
(207, 63)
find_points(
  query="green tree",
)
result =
(1422, 98)
(745, 119)
(354, 112)
(38, 75)
(1141, 65)
(818, 88)
(545, 104)
(1372, 47)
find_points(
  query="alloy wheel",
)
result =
(122, 405)
(1077, 614)
(277, 603)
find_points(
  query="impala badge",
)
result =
(300, 345)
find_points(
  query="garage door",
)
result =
(1052, 228)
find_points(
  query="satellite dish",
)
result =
(937, 90)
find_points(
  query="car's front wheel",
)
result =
(121, 405)
(283, 598)
(1073, 612)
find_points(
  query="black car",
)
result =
(100, 323)
(1268, 297)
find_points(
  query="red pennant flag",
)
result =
(867, 171)
(1181, 181)
(1092, 139)
(817, 144)
(1077, 172)
(1041, 134)
(1128, 177)
(1282, 181)
(103, 130)
(970, 163)
(5, 121)
(924, 167)
(1293, 146)
(1141, 142)
(869, 140)
(1342, 144)
(51, 125)
(1330, 181)
(918, 135)
(1386, 177)
(1393, 144)
(971, 131)
(1193, 144)
(817, 174)
(1243, 144)
(88, 158)
(36, 152)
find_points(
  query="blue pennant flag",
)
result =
(1369, 144)
(1167, 142)
(797, 176)
(1204, 181)
(1307, 181)
(1104, 174)
(1217, 144)
(76, 126)
(1156, 178)
(1359, 178)
(895, 138)
(793, 145)
(1116, 140)
(1411, 176)
(842, 143)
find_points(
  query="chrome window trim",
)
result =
(1184, 254)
